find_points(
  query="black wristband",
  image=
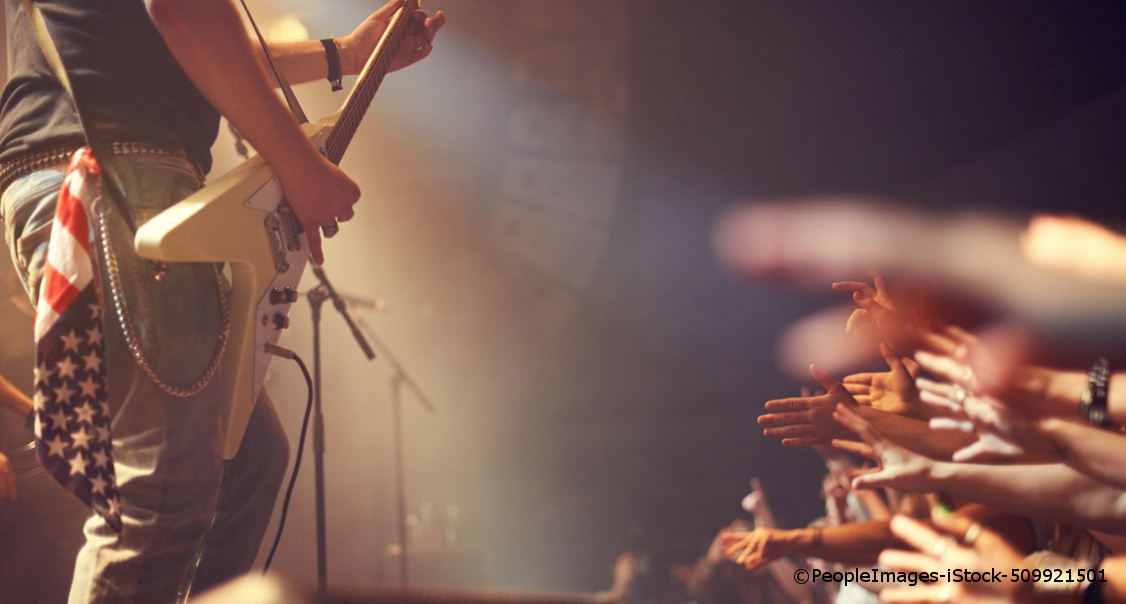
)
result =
(816, 540)
(333, 56)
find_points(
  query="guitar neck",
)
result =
(368, 83)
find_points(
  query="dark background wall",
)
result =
(539, 199)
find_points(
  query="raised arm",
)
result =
(305, 60)
(207, 38)
(1053, 491)
(855, 543)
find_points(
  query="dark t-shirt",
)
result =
(130, 86)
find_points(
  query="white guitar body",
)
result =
(241, 219)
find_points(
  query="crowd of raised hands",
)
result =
(960, 454)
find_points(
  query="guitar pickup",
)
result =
(275, 231)
(291, 227)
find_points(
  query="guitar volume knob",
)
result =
(280, 321)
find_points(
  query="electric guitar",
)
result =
(242, 219)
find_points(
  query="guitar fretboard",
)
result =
(368, 83)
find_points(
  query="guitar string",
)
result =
(353, 112)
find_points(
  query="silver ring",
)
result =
(960, 394)
(330, 231)
(972, 534)
(941, 546)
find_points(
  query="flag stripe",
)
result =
(70, 212)
(60, 291)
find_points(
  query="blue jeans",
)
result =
(190, 519)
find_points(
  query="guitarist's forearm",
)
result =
(305, 60)
(209, 42)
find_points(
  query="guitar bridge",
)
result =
(275, 232)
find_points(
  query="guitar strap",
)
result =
(287, 91)
(110, 186)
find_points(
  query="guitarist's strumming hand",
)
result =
(356, 47)
(321, 195)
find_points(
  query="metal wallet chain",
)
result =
(131, 339)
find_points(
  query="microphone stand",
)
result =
(399, 377)
(317, 297)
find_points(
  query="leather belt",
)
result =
(18, 167)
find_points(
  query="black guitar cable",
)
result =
(289, 354)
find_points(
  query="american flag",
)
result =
(72, 423)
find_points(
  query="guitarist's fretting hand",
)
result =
(355, 48)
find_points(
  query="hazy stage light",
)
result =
(287, 28)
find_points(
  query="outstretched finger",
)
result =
(788, 404)
(941, 403)
(434, 25)
(859, 378)
(878, 280)
(854, 287)
(851, 446)
(313, 232)
(936, 388)
(827, 381)
(855, 389)
(805, 441)
(989, 448)
(978, 452)
(875, 480)
(782, 418)
(794, 431)
(942, 366)
(949, 423)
